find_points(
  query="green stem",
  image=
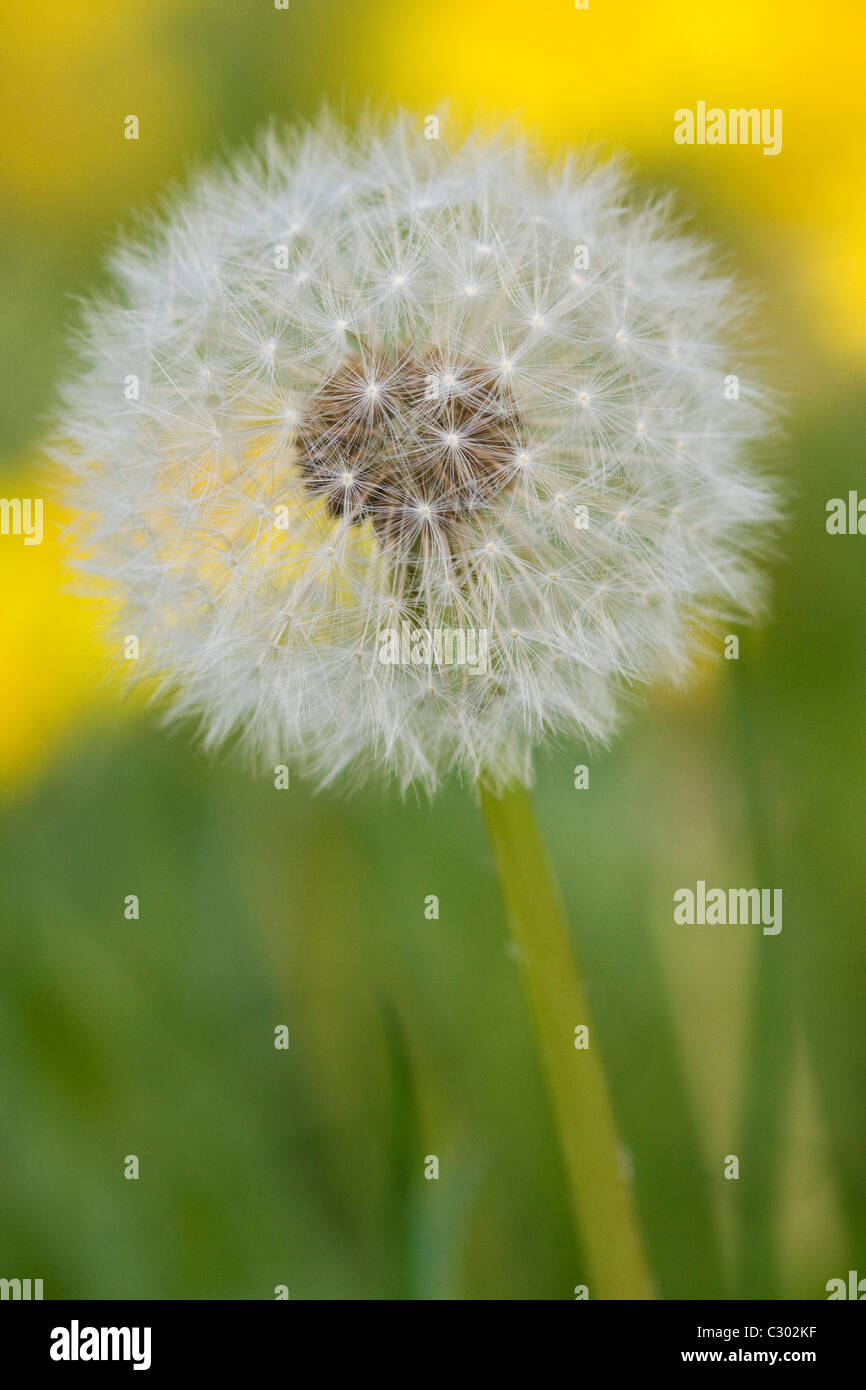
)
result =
(770, 1047)
(601, 1198)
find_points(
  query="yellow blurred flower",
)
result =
(616, 72)
(69, 75)
(53, 660)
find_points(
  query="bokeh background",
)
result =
(410, 1037)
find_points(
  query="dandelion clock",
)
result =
(402, 459)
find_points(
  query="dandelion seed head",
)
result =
(303, 386)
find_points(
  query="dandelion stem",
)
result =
(602, 1203)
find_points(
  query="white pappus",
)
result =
(357, 385)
